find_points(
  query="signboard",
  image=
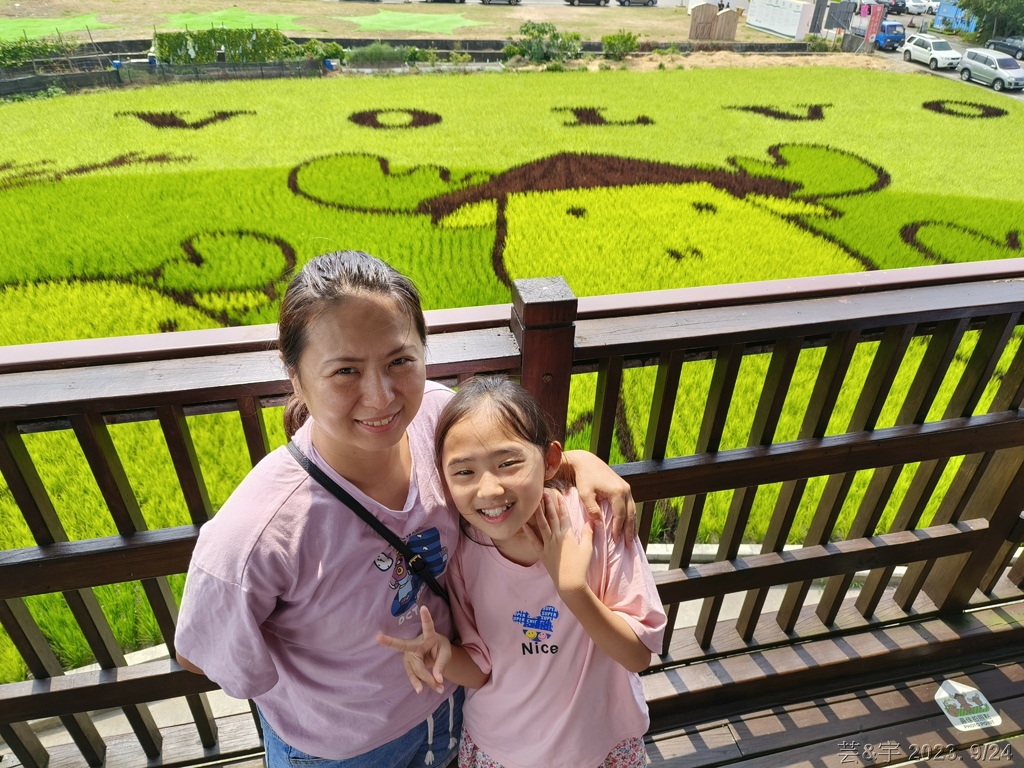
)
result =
(966, 707)
(778, 17)
(875, 23)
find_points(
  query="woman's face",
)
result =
(496, 480)
(361, 375)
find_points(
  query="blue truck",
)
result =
(891, 35)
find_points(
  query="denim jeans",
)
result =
(410, 750)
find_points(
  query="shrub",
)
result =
(14, 53)
(543, 42)
(619, 45)
(238, 45)
(51, 92)
(380, 53)
(318, 50)
(458, 56)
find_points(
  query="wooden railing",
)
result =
(873, 420)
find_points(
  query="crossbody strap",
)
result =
(415, 561)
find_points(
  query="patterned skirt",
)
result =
(626, 754)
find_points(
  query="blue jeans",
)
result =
(410, 750)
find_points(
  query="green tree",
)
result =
(996, 17)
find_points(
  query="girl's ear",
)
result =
(552, 460)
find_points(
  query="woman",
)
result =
(287, 589)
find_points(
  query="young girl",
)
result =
(555, 618)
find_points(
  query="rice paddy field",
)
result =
(189, 206)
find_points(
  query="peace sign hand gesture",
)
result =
(425, 657)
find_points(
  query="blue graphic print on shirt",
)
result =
(426, 544)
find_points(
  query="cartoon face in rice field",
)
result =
(620, 224)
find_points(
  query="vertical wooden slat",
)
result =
(923, 388)
(42, 663)
(934, 365)
(878, 383)
(256, 719)
(723, 385)
(606, 400)
(186, 463)
(254, 428)
(963, 402)
(838, 355)
(663, 403)
(543, 313)
(778, 380)
(659, 425)
(25, 745)
(107, 468)
(37, 508)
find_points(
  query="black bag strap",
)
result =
(415, 561)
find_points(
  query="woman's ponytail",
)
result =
(295, 415)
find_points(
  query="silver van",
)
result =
(991, 68)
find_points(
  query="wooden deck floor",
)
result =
(889, 725)
(899, 724)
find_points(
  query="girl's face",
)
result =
(495, 479)
(361, 374)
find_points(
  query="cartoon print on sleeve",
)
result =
(407, 584)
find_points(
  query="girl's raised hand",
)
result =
(565, 557)
(425, 657)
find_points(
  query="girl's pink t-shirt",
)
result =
(288, 588)
(553, 699)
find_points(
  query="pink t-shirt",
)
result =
(553, 699)
(287, 589)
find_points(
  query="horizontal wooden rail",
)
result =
(210, 341)
(817, 457)
(773, 291)
(37, 395)
(642, 335)
(99, 689)
(92, 563)
(850, 556)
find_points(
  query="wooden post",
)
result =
(996, 499)
(543, 311)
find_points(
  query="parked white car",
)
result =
(930, 50)
(991, 68)
(933, 6)
(917, 6)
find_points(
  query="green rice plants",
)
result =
(190, 206)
